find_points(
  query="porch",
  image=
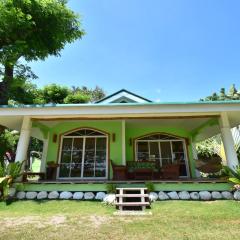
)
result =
(135, 149)
(80, 140)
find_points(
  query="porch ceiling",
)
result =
(12, 122)
(186, 116)
(189, 124)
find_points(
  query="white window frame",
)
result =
(83, 154)
(159, 147)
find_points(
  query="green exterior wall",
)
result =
(110, 127)
(103, 187)
(115, 126)
(133, 132)
(64, 187)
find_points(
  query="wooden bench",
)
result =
(170, 171)
(141, 170)
(119, 171)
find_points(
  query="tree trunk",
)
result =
(5, 87)
(6, 83)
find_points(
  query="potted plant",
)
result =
(52, 170)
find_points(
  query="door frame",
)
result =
(106, 135)
(178, 139)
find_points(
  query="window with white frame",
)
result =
(163, 149)
(83, 155)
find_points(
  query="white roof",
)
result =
(123, 96)
(186, 115)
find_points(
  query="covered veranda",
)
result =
(132, 123)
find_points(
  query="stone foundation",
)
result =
(110, 198)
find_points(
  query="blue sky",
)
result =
(165, 50)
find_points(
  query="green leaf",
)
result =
(2, 179)
(234, 180)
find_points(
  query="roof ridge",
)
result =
(122, 90)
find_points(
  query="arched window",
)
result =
(163, 149)
(83, 154)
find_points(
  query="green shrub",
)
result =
(111, 188)
(8, 174)
(233, 175)
(150, 186)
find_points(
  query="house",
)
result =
(131, 131)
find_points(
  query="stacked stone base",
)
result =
(60, 195)
(109, 198)
(201, 195)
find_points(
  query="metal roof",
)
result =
(122, 104)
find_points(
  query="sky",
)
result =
(164, 50)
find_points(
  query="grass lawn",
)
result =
(91, 220)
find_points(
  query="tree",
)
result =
(33, 30)
(77, 98)
(8, 142)
(22, 90)
(232, 91)
(95, 94)
(30, 30)
(208, 147)
(52, 93)
(232, 94)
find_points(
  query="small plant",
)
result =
(111, 188)
(8, 174)
(233, 175)
(150, 186)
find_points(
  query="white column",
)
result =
(228, 142)
(123, 142)
(24, 139)
(44, 154)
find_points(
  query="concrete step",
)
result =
(132, 189)
(128, 195)
(135, 204)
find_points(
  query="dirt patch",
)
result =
(39, 222)
(210, 202)
(99, 220)
(57, 220)
(18, 221)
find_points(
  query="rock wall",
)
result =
(110, 198)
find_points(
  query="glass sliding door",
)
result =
(77, 152)
(155, 153)
(179, 156)
(66, 157)
(166, 153)
(162, 149)
(89, 157)
(83, 156)
(100, 159)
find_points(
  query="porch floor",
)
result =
(86, 181)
